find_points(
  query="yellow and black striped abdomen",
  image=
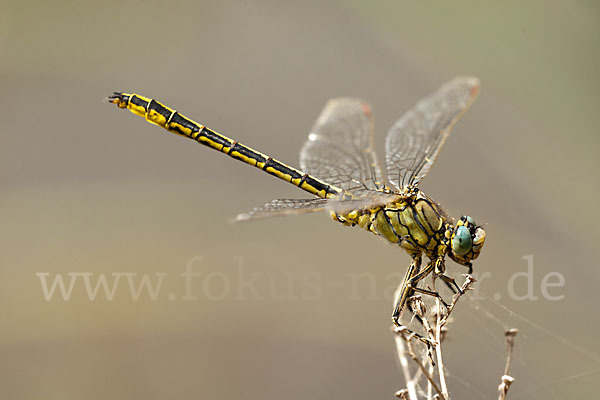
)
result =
(171, 120)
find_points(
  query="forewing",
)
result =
(281, 207)
(414, 142)
(340, 150)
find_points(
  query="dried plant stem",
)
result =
(411, 391)
(422, 368)
(429, 385)
(434, 325)
(435, 333)
(438, 351)
(442, 320)
(506, 380)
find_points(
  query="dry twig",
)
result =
(506, 379)
(434, 326)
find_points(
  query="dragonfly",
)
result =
(339, 168)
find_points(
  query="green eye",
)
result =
(462, 242)
(470, 220)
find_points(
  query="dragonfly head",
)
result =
(466, 241)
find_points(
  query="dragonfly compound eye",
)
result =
(461, 241)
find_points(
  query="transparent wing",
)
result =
(280, 207)
(414, 142)
(340, 150)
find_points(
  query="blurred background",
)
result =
(293, 307)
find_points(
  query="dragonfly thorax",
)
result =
(412, 220)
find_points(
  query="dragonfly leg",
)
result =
(470, 266)
(410, 285)
(439, 271)
(405, 291)
(451, 283)
(414, 281)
